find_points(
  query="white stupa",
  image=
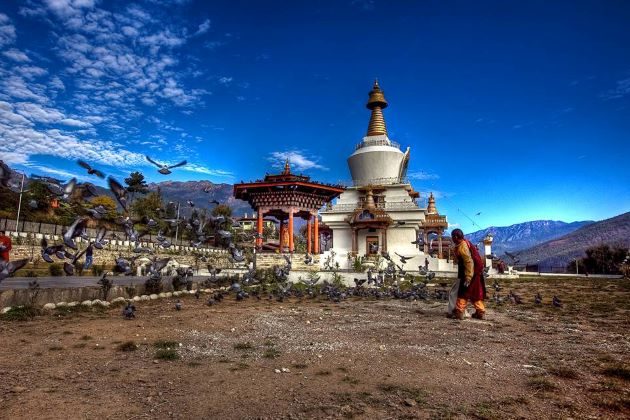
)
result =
(379, 212)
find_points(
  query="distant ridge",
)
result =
(525, 235)
(560, 251)
(183, 191)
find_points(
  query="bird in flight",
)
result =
(166, 169)
(90, 170)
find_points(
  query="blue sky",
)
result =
(515, 110)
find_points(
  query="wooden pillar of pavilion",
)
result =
(282, 229)
(309, 248)
(291, 230)
(316, 235)
(259, 228)
(440, 244)
(286, 195)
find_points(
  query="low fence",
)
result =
(551, 269)
(30, 233)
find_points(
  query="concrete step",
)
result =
(268, 260)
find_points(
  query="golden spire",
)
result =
(287, 168)
(376, 103)
(431, 209)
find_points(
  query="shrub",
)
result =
(153, 286)
(55, 270)
(23, 313)
(271, 353)
(97, 270)
(127, 346)
(165, 344)
(243, 346)
(166, 354)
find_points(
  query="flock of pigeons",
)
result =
(517, 299)
(198, 226)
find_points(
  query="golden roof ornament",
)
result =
(287, 168)
(376, 103)
(431, 209)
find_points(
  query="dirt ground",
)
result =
(317, 359)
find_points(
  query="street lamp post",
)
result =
(576, 267)
(177, 223)
(17, 219)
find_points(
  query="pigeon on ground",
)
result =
(90, 170)
(514, 298)
(359, 282)
(537, 299)
(129, 311)
(556, 302)
(178, 305)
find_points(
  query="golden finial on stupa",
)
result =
(431, 209)
(376, 103)
(287, 168)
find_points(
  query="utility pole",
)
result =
(17, 220)
(576, 266)
(177, 224)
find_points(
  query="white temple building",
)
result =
(379, 213)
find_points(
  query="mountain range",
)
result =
(560, 251)
(525, 235)
(184, 191)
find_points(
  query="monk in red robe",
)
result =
(5, 246)
(470, 274)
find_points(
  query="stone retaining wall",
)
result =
(106, 257)
(16, 297)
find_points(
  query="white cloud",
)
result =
(7, 31)
(213, 45)
(38, 113)
(297, 159)
(16, 55)
(203, 28)
(113, 64)
(53, 171)
(68, 8)
(422, 175)
(225, 80)
(193, 167)
(622, 89)
(13, 158)
(71, 122)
